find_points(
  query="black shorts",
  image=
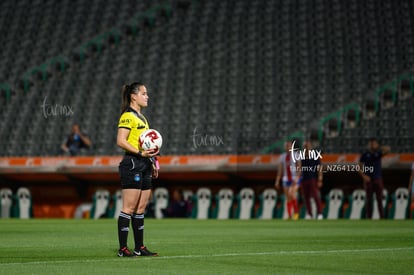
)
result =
(135, 172)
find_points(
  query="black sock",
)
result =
(138, 229)
(123, 229)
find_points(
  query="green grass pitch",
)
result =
(210, 247)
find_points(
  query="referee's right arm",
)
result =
(122, 141)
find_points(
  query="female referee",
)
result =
(136, 169)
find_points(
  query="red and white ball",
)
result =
(150, 139)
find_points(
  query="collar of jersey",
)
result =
(141, 117)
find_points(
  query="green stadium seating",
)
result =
(260, 81)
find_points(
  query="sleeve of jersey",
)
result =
(126, 121)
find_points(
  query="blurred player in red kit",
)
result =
(289, 168)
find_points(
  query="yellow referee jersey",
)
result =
(136, 123)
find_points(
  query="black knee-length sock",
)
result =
(123, 229)
(138, 229)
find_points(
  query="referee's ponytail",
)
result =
(126, 92)
(126, 98)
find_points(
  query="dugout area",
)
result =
(59, 185)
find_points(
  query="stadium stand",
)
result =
(254, 73)
(225, 78)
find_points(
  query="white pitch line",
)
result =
(338, 251)
(298, 252)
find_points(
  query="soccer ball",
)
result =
(150, 139)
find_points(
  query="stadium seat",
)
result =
(352, 118)
(117, 204)
(356, 205)
(375, 213)
(268, 201)
(406, 88)
(83, 210)
(224, 204)
(333, 128)
(5, 92)
(387, 98)
(6, 202)
(161, 200)
(334, 201)
(188, 195)
(245, 205)
(97, 44)
(400, 204)
(23, 206)
(202, 203)
(100, 204)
